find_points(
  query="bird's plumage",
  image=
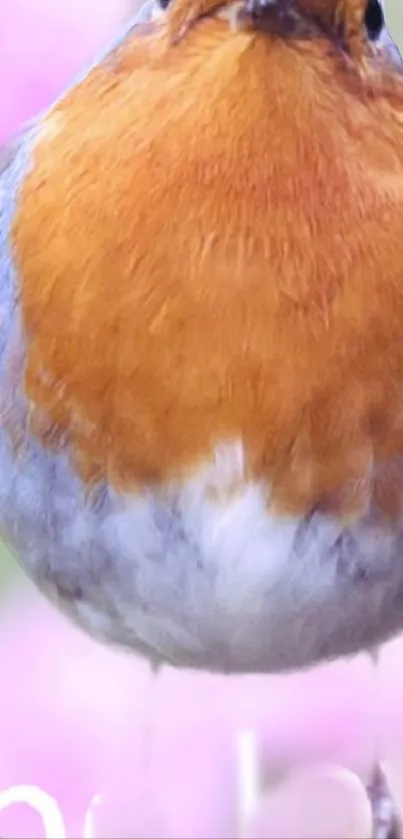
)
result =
(202, 362)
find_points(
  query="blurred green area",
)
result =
(8, 568)
(394, 11)
(394, 14)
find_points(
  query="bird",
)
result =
(201, 427)
(201, 346)
(201, 356)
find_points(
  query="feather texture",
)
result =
(201, 359)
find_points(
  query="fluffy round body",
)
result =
(201, 351)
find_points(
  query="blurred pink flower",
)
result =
(77, 719)
(43, 44)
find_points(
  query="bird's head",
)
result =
(357, 25)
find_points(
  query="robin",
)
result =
(201, 358)
(201, 347)
(201, 352)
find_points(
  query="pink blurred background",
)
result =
(78, 720)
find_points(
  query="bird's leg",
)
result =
(386, 822)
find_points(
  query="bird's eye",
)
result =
(374, 19)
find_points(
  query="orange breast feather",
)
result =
(210, 247)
